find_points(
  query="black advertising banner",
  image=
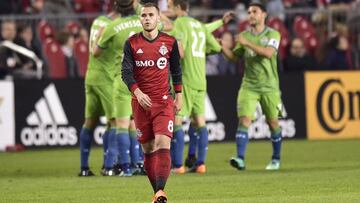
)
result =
(51, 113)
(223, 93)
(48, 113)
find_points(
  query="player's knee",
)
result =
(273, 124)
(123, 123)
(89, 123)
(245, 121)
(178, 120)
(200, 121)
(162, 142)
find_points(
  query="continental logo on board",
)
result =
(332, 104)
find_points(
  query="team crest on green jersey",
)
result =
(264, 41)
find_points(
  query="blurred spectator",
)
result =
(84, 35)
(225, 66)
(355, 51)
(25, 39)
(338, 57)
(11, 60)
(276, 8)
(36, 7)
(217, 64)
(298, 59)
(67, 42)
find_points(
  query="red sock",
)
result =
(162, 168)
(149, 165)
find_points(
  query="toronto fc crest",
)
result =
(163, 50)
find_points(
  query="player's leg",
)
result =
(193, 142)
(178, 143)
(137, 164)
(104, 93)
(271, 105)
(146, 138)
(163, 127)
(122, 113)
(202, 131)
(246, 106)
(92, 105)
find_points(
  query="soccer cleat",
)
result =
(190, 161)
(198, 169)
(179, 170)
(85, 173)
(273, 165)
(160, 197)
(126, 173)
(108, 172)
(138, 169)
(237, 163)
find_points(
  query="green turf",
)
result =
(324, 171)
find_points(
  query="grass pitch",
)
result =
(321, 171)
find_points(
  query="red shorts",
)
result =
(158, 120)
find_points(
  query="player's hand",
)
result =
(143, 99)
(241, 40)
(178, 102)
(228, 16)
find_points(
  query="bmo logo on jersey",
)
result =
(146, 63)
(161, 63)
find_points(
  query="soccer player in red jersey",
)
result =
(148, 58)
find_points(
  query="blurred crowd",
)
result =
(316, 35)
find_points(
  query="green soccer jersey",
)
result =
(196, 41)
(98, 72)
(114, 37)
(261, 73)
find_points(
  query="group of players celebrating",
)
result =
(133, 52)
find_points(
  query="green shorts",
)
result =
(121, 99)
(270, 102)
(193, 103)
(98, 101)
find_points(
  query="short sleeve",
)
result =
(274, 40)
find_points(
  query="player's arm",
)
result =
(96, 49)
(268, 51)
(211, 27)
(234, 54)
(175, 70)
(127, 72)
(166, 23)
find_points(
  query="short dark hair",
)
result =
(142, 2)
(149, 4)
(184, 4)
(124, 7)
(258, 4)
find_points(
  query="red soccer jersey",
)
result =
(146, 64)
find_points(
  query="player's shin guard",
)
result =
(123, 144)
(105, 143)
(112, 151)
(179, 142)
(162, 168)
(202, 145)
(134, 148)
(85, 145)
(276, 140)
(242, 140)
(192, 142)
(149, 165)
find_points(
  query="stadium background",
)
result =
(42, 106)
